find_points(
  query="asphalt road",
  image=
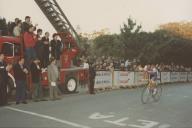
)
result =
(114, 109)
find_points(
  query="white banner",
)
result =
(183, 77)
(140, 78)
(123, 78)
(165, 77)
(189, 76)
(175, 77)
(159, 78)
(103, 79)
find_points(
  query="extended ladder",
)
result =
(56, 16)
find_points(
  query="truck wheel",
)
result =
(71, 84)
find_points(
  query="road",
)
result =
(112, 109)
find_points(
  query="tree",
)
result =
(183, 29)
(3, 27)
(161, 46)
(108, 45)
(129, 38)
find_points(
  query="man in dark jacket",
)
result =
(3, 81)
(46, 51)
(27, 23)
(39, 45)
(56, 48)
(20, 72)
(36, 78)
(92, 75)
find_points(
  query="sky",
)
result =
(93, 15)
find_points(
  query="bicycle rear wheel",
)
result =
(145, 95)
(158, 94)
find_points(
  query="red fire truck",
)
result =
(70, 77)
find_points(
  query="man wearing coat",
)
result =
(92, 74)
(3, 81)
(53, 76)
(20, 73)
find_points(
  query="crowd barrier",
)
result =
(105, 79)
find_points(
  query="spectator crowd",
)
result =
(108, 63)
(36, 44)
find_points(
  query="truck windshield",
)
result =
(11, 49)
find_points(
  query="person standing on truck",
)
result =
(36, 79)
(29, 43)
(46, 50)
(11, 26)
(27, 23)
(20, 74)
(39, 45)
(53, 77)
(17, 29)
(3, 81)
(56, 48)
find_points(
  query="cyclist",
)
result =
(153, 73)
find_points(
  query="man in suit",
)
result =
(36, 79)
(53, 76)
(92, 74)
(3, 81)
(20, 73)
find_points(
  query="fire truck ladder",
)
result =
(56, 17)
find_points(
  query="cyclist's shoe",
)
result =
(154, 91)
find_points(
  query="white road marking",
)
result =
(97, 115)
(145, 124)
(49, 118)
(186, 96)
(118, 122)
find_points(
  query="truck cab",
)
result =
(12, 48)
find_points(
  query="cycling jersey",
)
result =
(153, 74)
